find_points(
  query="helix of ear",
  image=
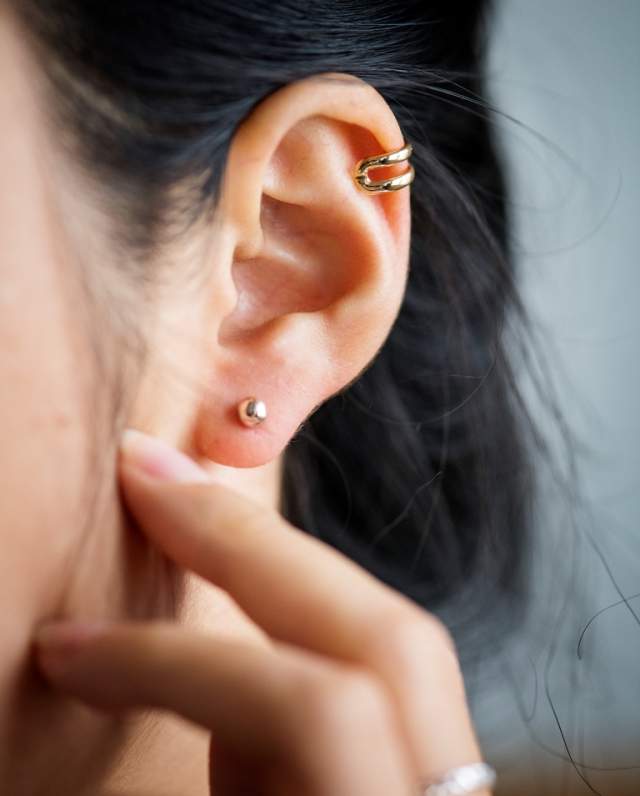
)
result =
(361, 174)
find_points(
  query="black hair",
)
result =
(421, 469)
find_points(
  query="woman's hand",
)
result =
(355, 690)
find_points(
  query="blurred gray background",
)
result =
(568, 72)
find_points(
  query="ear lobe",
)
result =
(319, 282)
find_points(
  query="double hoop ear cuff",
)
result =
(252, 412)
(362, 178)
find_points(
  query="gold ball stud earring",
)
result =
(251, 411)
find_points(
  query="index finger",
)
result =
(302, 591)
(296, 587)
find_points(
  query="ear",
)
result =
(313, 269)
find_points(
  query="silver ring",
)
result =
(462, 781)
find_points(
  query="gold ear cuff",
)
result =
(361, 175)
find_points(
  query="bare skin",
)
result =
(346, 687)
(70, 312)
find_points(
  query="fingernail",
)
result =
(58, 641)
(159, 459)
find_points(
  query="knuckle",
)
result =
(345, 714)
(410, 634)
(342, 703)
(407, 640)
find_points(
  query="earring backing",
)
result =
(251, 411)
(362, 167)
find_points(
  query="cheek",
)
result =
(43, 431)
(49, 383)
(43, 362)
(43, 471)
